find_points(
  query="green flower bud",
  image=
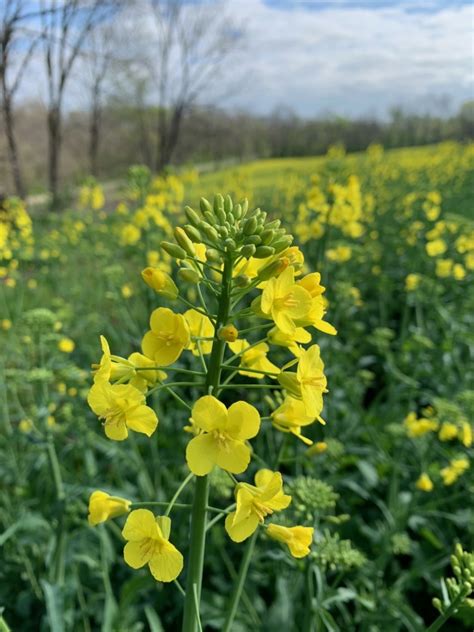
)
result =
(192, 216)
(241, 280)
(189, 276)
(209, 216)
(173, 250)
(218, 203)
(210, 232)
(280, 244)
(259, 229)
(213, 255)
(262, 252)
(223, 232)
(437, 604)
(230, 244)
(274, 225)
(245, 206)
(193, 233)
(267, 236)
(221, 216)
(248, 251)
(184, 241)
(205, 206)
(250, 226)
(228, 205)
(237, 211)
(254, 239)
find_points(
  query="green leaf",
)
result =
(54, 606)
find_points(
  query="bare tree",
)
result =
(193, 42)
(64, 31)
(16, 49)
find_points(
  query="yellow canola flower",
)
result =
(254, 358)
(454, 470)
(424, 483)
(148, 543)
(103, 506)
(284, 301)
(123, 407)
(436, 247)
(291, 341)
(199, 326)
(254, 503)
(412, 281)
(25, 426)
(6, 324)
(160, 282)
(169, 335)
(229, 333)
(311, 380)
(291, 416)
(312, 284)
(297, 539)
(448, 431)
(223, 436)
(465, 434)
(66, 345)
(113, 368)
(418, 427)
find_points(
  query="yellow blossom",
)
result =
(200, 327)
(291, 341)
(229, 333)
(448, 431)
(454, 470)
(291, 416)
(168, 336)
(102, 507)
(25, 426)
(148, 543)
(223, 436)
(254, 359)
(297, 539)
(5, 324)
(126, 291)
(424, 483)
(254, 503)
(284, 301)
(465, 434)
(160, 282)
(311, 380)
(436, 247)
(418, 427)
(66, 345)
(122, 406)
(412, 281)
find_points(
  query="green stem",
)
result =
(188, 478)
(441, 620)
(239, 585)
(191, 618)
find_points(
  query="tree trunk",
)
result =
(94, 140)
(169, 138)
(12, 147)
(54, 149)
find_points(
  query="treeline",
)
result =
(211, 136)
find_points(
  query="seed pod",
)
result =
(193, 233)
(205, 205)
(248, 251)
(184, 241)
(173, 250)
(192, 216)
(262, 252)
(250, 226)
(189, 276)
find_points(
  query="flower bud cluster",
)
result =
(227, 227)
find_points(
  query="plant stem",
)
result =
(191, 619)
(441, 620)
(239, 585)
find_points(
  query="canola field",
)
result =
(292, 385)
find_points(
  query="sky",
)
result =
(355, 57)
(343, 57)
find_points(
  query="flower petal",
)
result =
(140, 524)
(135, 554)
(201, 454)
(166, 565)
(234, 458)
(209, 413)
(243, 421)
(243, 529)
(116, 431)
(142, 419)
